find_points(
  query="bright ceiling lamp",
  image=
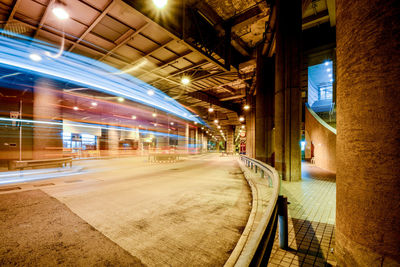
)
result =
(160, 3)
(185, 80)
(60, 13)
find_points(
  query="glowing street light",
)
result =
(210, 109)
(60, 13)
(241, 118)
(246, 107)
(243, 126)
(150, 92)
(75, 108)
(133, 117)
(120, 99)
(216, 121)
(94, 104)
(172, 123)
(219, 127)
(35, 57)
(154, 115)
(160, 3)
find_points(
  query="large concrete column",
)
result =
(368, 136)
(47, 139)
(287, 90)
(250, 128)
(264, 121)
(230, 139)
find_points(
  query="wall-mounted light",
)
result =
(94, 104)
(75, 108)
(241, 118)
(243, 126)
(133, 117)
(120, 99)
(210, 109)
(246, 107)
(219, 127)
(216, 121)
(172, 123)
(154, 115)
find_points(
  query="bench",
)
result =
(163, 157)
(22, 164)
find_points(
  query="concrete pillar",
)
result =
(264, 121)
(250, 128)
(47, 139)
(368, 137)
(287, 90)
(230, 139)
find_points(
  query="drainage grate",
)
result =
(73, 181)
(38, 185)
(9, 189)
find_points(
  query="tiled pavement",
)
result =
(311, 220)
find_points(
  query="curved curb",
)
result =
(257, 210)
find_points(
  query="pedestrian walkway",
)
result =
(311, 220)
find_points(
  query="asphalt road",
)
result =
(187, 213)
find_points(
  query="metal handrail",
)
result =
(260, 245)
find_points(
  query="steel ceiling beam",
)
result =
(90, 28)
(124, 39)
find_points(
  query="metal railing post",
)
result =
(283, 222)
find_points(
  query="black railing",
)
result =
(259, 246)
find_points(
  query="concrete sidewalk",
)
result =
(311, 220)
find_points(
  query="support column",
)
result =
(287, 90)
(264, 121)
(230, 140)
(368, 137)
(250, 128)
(47, 139)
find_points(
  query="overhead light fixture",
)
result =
(195, 122)
(219, 127)
(185, 80)
(172, 123)
(210, 109)
(216, 121)
(133, 117)
(154, 115)
(328, 70)
(246, 107)
(60, 13)
(75, 108)
(160, 3)
(241, 118)
(120, 99)
(326, 63)
(94, 104)
(35, 57)
(243, 126)
(150, 92)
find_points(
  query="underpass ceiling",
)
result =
(115, 33)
